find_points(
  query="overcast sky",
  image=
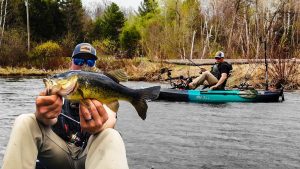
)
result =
(122, 3)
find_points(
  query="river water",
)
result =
(186, 135)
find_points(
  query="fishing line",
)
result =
(70, 118)
(195, 64)
(250, 74)
(66, 116)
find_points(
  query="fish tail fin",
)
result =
(140, 104)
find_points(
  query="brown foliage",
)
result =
(13, 50)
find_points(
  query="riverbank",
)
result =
(201, 62)
(145, 70)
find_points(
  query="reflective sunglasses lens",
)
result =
(90, 62)
(78, 61)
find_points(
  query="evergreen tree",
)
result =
(73, 15)
(46, 20)
(148, 6)
(110, 24)
(129, 39)
(14, 18)
(96, 32)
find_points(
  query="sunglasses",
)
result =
(80, 62)
(217, 58)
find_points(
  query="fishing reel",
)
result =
(176, 82)
(163, 71)
(245, 86)
(166, 70)
(181, 83)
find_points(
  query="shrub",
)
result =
(129, 39)
(48, 55)
(45, 50)
(13, 49)
(68, 43)
(105, 47)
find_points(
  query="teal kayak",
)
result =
(221, 96)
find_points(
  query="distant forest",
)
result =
(159, 29)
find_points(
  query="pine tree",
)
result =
(110, 24)
(46, 20)
(73, 15)
(148, 6)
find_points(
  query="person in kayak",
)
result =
(217, 77)
(61, 134)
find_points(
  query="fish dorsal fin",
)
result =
(118, 75)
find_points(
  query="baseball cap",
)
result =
(219, 54)
(84, 50)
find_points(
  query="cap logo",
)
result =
(85, 48)
(219, 55)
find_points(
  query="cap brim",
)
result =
(85, 56)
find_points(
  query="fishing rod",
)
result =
(196, 65)
(266, 64)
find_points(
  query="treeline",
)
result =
(158, 30)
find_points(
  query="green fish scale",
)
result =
(103, 88)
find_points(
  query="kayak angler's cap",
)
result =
(219, 54)
(84, 50)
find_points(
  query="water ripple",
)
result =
(186, 135)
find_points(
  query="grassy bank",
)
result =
(22, 71)
(141, 69)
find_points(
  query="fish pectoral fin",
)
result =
(114, 106)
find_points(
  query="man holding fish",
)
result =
(72, 127)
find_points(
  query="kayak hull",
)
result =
(219, 96)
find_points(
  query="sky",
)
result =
(122, 3)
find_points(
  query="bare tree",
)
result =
(2, 18)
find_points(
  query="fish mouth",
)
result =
(61, 87)
(48, 85)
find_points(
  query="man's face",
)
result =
(219, 59)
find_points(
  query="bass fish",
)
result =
(79, 85)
